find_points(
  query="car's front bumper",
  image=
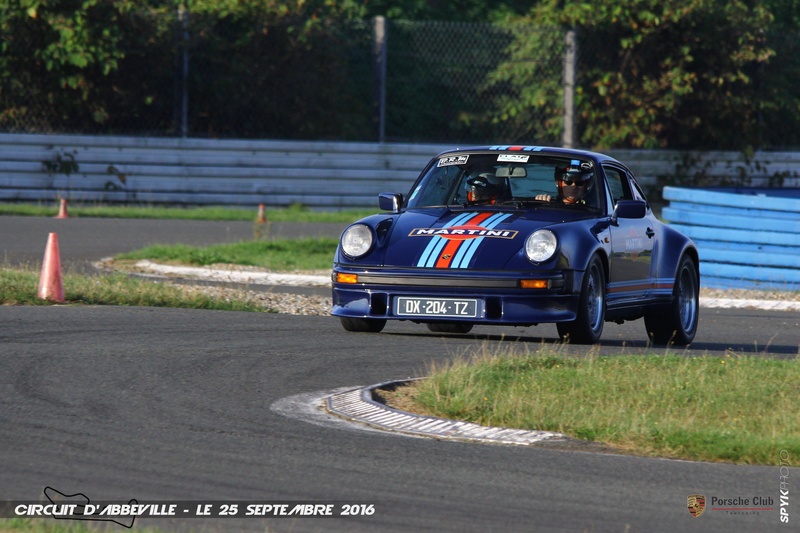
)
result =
(502, 298)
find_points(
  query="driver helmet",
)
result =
(486, 187)
(574, 180)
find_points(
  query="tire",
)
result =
(679, 325)
(367, 325)
(588, 326)
(450, 327)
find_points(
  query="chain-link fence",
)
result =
(189, 75)
(440, 84)
(185, 74)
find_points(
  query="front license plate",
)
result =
(438, 307)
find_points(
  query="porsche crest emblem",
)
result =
(696, 503)
(446, 257)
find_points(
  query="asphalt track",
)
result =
(182, 405)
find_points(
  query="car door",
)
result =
(632, 242)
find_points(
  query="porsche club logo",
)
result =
(696, 503)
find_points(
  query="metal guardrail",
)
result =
(746, 240)
(205, 172)
(317, 174)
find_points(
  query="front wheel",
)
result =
(679, 325)
(588, 325)
(367, 325)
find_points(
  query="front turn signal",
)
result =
(534, 283)
(346, 278)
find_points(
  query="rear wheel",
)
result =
(450, 327)
(368, 325)
(588, 326)
(679, 325)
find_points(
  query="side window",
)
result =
(618, 186)
(638, 194)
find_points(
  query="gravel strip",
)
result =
(286, 303)
(296, 304)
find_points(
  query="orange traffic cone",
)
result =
(62, 210)
(50, 287)
(262, 217)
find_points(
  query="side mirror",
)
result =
(390, 201)
(629, 209)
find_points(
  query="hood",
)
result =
(461, 239)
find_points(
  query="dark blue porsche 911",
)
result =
(517, 236)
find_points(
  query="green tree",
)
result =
(52, 55)
(288, 68)
(448, 10)
(653, 73)
(527, 88)
(776, 85)
(284, 69)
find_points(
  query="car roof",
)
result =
(541, 150)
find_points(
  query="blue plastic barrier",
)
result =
(748, 240)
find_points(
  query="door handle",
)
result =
(650, 233)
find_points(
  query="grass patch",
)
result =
(51, 525)
(280, 254)
(290, 214)
(42, 525)
(20, 287)
(730, 409)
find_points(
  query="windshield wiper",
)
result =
(520, 202)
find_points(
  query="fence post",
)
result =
(570, 58)
(379, 50)
(182, 78)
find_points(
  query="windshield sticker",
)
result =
(453, 160)
(513, 158)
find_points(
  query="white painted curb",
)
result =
(235, 275)
(358, 405)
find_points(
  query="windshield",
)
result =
(511, 179)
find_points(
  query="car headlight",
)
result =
(541, 245)
(356, 240)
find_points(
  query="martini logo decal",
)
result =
(459, 233)
(459, 239)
